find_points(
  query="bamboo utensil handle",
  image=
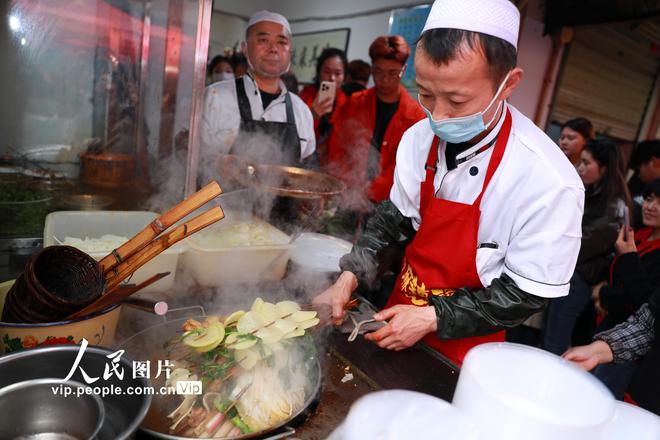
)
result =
(156, 227)
(159, 308)
(115, 296)
(121, 271)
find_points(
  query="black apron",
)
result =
(283, 135)
(267, 142)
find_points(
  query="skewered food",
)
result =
(253, 365)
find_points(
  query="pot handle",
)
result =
(200, 309)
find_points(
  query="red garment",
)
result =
(443, 254)
(308, 95)
(643, 245)
(350, 141)
(630, 400)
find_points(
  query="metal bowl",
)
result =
(124, 410)
(86, 202)
(32, 410)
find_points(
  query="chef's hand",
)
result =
(320, 108)
(624, 246)
(589, 356)
(338, 295)
(407, 325)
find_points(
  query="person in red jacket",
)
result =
(364, 139)
(330, 66)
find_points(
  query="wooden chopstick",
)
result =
(156, 227)
(115, 296)
(123, 270)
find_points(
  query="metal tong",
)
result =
(358, 324)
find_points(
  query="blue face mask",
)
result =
(464, 128)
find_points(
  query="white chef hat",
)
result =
(264, 15)
(498, 18)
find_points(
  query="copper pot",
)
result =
(108, 170)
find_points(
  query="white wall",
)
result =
(533, 56)
(226, 30)
(313, 15)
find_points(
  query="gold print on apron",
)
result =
(417, 293)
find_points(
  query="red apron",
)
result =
(443, 254)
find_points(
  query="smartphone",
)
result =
(626, 222)
(327, 90)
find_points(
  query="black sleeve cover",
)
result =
(470, 312)
(386, 230)
(476, 312)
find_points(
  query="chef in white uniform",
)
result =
(487, 207)
(255, 115)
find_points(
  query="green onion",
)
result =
(240, 424)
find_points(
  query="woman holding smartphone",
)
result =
(325, 97)
(635, 271)
(634, 275)
(606, 197)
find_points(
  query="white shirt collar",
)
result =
(255, 87)
(474, 150)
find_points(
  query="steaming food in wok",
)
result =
(254, 367)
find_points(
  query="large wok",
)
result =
(279, 180)
(149, 343)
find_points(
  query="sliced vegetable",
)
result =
(267, 313)
(234, 317)
(295, 334)
(249, 323)
(231, 338)
(246, 358)
(309, 323)
(243, 344)
(208, 339)
(303, 315)
(256, 305)
(284, 325)
(285, 308)
(269, 335)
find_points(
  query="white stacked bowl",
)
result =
(513, 391)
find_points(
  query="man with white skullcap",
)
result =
(488, 208)
(255, 115)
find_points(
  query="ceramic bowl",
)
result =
(98, 329)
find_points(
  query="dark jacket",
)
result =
(633, 277)
(600, 227)
(645, 385)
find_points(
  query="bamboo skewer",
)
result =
(122, 270)
(156, 227)
(114, 296)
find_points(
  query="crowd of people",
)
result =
(493, 221)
